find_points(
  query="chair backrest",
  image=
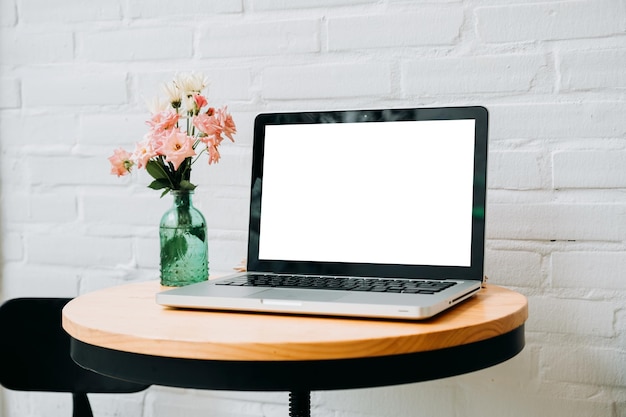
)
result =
(35, 354)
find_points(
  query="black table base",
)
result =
(300, 404)
(299, 377)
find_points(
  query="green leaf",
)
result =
(173, 249)
(198, 232)
(159, 184)
(156, 170)
(186, 185)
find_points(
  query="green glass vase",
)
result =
(184, 249)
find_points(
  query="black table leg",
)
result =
(300, 404)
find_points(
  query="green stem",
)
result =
(184, 169)
(198, 156)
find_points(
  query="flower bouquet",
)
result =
(181, 129)
(178, 127)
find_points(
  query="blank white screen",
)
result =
(376, 192)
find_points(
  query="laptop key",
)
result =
(340, 283)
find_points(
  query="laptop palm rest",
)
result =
(278, 294)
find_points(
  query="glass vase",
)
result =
(184, 249)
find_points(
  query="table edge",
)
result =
(401, 345)
(350, 373)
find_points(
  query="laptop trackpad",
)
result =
(297, 295)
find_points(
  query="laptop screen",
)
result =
(343, 190)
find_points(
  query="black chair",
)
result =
(35, 355)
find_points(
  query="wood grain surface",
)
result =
(127, 318)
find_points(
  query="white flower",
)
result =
(173, 93)
(157, 105)
(190, 83)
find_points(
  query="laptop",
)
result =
(359, 213)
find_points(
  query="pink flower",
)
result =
(177, 146)
(144, 150)
(120, 162)
(227, 123)
(214, 153)
(200, 101)
(162, 121)
(155, 140)
(207, 124)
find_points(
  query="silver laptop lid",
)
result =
(389, 193)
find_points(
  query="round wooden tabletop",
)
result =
(126, 318)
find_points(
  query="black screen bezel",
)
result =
(473, 272)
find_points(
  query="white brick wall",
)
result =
(550, 21)
(259, 38)
(428, 25)
(367, 79)
(74, 76)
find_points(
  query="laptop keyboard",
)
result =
(340, 283)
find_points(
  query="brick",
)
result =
(584, 365)
(125, 209)
(36, 402)
(102, 228)
(513, 268)
(9, 93)
(557, 120)
(123, 129)
(482, 74)
(430, 26)
(260, 38)
(570, 316)
(225, 214)
(97, 279)
(600, 222)
(136, 44)
(14, 176)
(260, 5)
(229, 84)
(42, 11)
(191, 8)
(71, 170)
(366, 80)
(58, 207)
(28, 129)
(26, 48)
(147, 252)
(603, 169)
(15, 210)
(74, 88)
(12, 247)
(168, 403)
(76, 250)
(585, 70)
(27, 280)
(550, 21)
(217, 178)
(588, 270)
(121, 405)
(516, 170)
(527, 400)
(433, 398)
(8, 13)
(226, 251)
